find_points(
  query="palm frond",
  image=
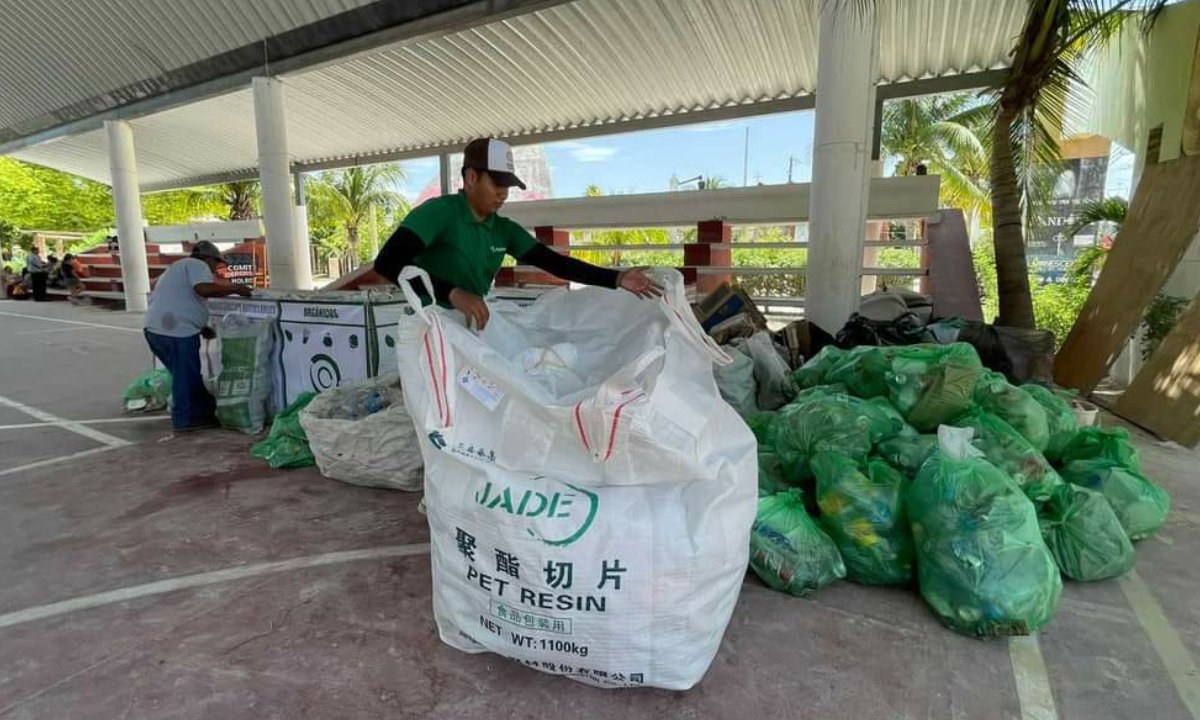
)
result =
(1110, 210)
(959, 139)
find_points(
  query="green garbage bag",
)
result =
(1084, 535)
(787, 548)
(1005, 448)
(286, 446)
(819, 422)
(760, 424)
(812, 373)
(1014, 406)
(863, 370)
(933, 384)
(150, 392)
(864, 514)
(770, 471)
(981, 562)
(883, 420)
(1107, 443)
(1060, 419)
(907, 453)
(1140, 505)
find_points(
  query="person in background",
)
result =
(54, 270)
(6, 273)
(39, 274)
(174, 321)
(73, 273)
(460, 240)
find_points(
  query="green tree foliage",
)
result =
(341, 203)
(238, 200)
(1056, 306)
(1161, 316)
(941, 132)
(38, 198)
(1030, 105)
(176, 207)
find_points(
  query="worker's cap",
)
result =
(205, 250)
(494, 157)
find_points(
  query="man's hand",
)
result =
(244, 290)
(472, 306)
(636, 281)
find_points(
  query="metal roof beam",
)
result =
(943, 84)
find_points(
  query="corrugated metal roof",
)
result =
(584, 63)
(57, 53)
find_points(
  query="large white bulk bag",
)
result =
(589, 516)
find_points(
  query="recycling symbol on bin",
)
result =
(323, 372)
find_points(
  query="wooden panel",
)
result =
(1165, 395)
(1162, 220)
(1191, 117)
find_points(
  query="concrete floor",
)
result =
(176, 577)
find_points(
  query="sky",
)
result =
(642, 162)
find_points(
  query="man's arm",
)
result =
(400, 250)
(211, 290)
(568, 268)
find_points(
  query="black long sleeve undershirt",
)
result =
(399, 252)
(404, 246)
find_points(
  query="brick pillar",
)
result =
(702, 254)
(555, 239)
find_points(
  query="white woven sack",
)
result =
(593, 522)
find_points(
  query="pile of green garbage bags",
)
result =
(915, 465)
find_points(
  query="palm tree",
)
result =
(1031, 102)
(941, 132)
(239, 198)
(1089, 261)
(1110, 210)
(348, 197)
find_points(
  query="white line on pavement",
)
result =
(98, 421)
(73, 322)
(1033, 683)
(1179, 664)
(65, 424)
(208, 578)
(60, 458)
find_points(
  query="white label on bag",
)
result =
(481, 387)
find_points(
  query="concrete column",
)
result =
(122, 166)
(444, 172)
(300, 222)
(846, 68)
(287, 257)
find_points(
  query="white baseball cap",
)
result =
(495, 157)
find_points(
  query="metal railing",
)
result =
(906, 202)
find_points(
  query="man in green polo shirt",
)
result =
(461, 241)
